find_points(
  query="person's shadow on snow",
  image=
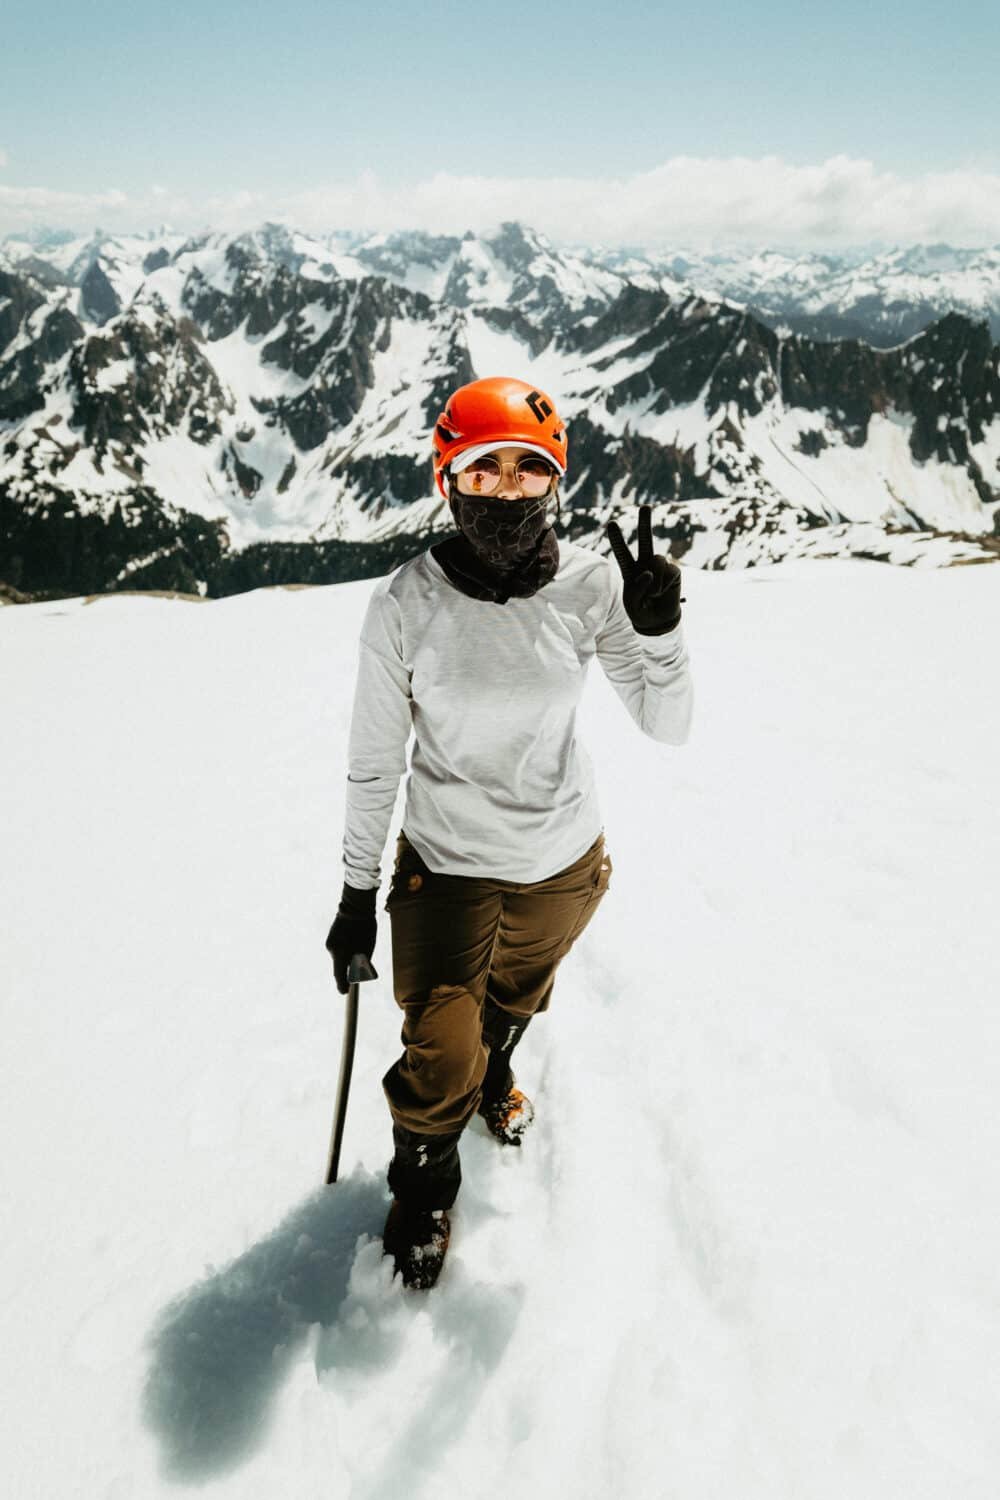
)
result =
(471, 1322)
(221, 1350)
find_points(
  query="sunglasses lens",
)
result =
(481, 477)
(534, 476)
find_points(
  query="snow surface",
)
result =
(750, 1247)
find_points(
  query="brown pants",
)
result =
(465, 947)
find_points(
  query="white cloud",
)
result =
(690, 201)
(23, 206)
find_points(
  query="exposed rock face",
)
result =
(170, 406)
(146, 376)
(34, 335)
(99, 298)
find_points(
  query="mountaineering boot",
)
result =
(508, 1117)
(417, 1239)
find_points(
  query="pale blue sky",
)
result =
(217, 98)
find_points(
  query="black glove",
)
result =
(353, 931)
(652, 592)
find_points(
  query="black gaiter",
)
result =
(505, 548)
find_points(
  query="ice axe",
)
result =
(358, 970)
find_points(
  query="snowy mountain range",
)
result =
(210, 413)
(881, 298)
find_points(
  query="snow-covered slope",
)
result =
(750, 1247)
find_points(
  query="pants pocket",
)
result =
(409, 874)
(600, 879)
(603, 874)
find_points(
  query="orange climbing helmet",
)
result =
(498, 410)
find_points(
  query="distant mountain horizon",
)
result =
(882, 295)
(56, 234)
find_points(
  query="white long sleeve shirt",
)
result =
(499, 785)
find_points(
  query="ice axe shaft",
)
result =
(358, 970)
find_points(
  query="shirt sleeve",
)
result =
(650, 673)
(381, 721)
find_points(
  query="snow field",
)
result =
(749, 1247)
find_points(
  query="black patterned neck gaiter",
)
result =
(501, 532)
(506, 548)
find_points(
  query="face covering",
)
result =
(500, 532)
(505, 548)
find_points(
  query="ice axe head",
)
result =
(359, 969)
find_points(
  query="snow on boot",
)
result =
(417, 1239)
(508, 1117)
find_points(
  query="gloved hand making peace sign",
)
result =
(652, 591)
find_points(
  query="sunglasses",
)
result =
(533, 476)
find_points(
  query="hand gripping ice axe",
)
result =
(358, 970)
